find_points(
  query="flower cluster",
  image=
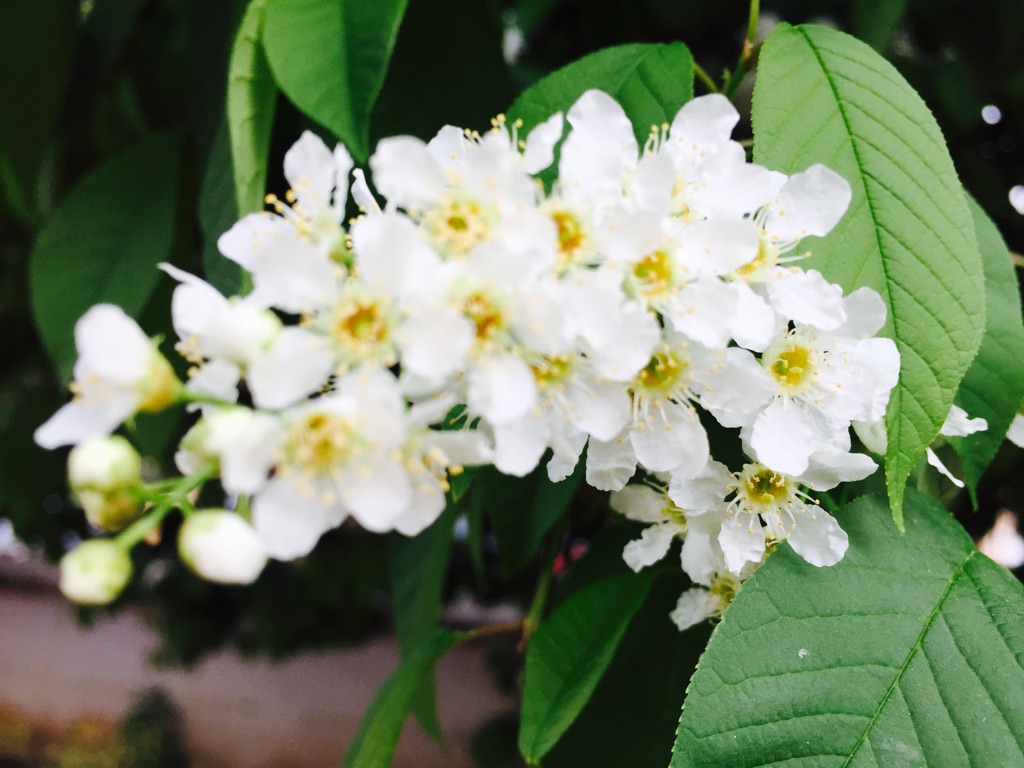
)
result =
(469, 315)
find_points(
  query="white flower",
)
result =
(821, 380)
(281, 365)
(118, 372)
(297, 259)
(768, 506)
(333, 456)
(664, 432)
(220, 546)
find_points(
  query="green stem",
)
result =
(752, 19)
(705, 78)
(748, 54)
(175, 497)
(553, 545)
(491, 630)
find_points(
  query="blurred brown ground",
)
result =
(238, 713)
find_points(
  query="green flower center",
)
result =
(663, 373)
(792, 366)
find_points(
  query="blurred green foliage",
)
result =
(93, 82)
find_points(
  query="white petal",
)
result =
(194, 304)
(501, 388)
(732, 385)
(704, 311)
(807, 298)
(243, 242)
(707, 490)
(376, 490)
(639, 502)
(290, 517)
(392, 257)
(872, 434)
(935, 461)
(519, 445)
(361, 193)
(540, 144)
(610, 464)
(434, 341)
(310, 170)
(81, 420)
(755, 324)
(703, 124)
(865, 314)
(652, 545)
(742, 541)
(406, 173)
(673, 441)
(718, 246)
(826, 469)
(111, 345)
(810, 203)
(295, 366)
(694, 606)
(701, 556)
(599, 408)
(785, 435)
(217, 378)
(816, 536)
(1015, 434)
(959, 424)
(247, 460)
(427, 504)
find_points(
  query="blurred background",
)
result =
(182, 672)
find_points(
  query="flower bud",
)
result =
(220, 546)
(95, 572)
(104, 464)
(160, 387)
(105, 475)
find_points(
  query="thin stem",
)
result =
(748, 54)
(176, 497)
(752, 19)
(705, 78)
(553, 545)
(491, 630)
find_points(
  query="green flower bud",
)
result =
(105, 476)
(95, 572)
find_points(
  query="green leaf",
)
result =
(825, 97)
(908, 652)
(522, 510)
(631, 717)
(218, 211)
(651, 82)
(375, 741)
(993, 387)
(418, 567)
(330, 57)
(568, 654)
(104, 241)
(251, 99)
(38, 41)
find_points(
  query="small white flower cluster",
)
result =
(477, 318)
